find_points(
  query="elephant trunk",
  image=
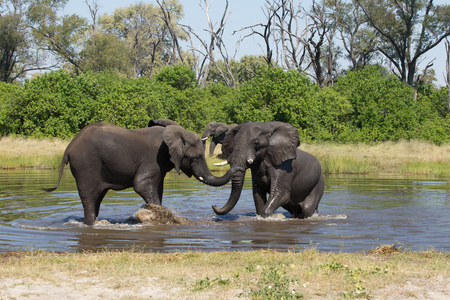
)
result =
(236, 189)
(206, 134)
(201, 171)
(218, 181)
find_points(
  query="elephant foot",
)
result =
(89, 221)
(266, 214)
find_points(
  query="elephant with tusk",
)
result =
(291, 177)
(218, 132)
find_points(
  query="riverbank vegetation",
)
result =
(386, 272)
(362, 106)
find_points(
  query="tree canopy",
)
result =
(323, 41)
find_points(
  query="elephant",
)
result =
(292, 177)
(103, 156)
(217, 131)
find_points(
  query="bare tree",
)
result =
(93, 11)
(166, 16)
(281, 34)
(266, 32)
(407, 30)
(320, 42)
(359, 41)
(295, 52)
(207, 49)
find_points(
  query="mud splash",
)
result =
(159, 215)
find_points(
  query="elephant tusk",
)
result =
(200, 178)
(224, 163)
(204, 139)
(250, 161)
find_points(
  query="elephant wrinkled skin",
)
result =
(103, 156)
(292, 178)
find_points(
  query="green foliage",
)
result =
(364, 106)
(384, 109)
(207, 283)
(289, 96)
(179, 76)
(273, 94)
(275, 284)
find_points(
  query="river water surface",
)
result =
(357, 213)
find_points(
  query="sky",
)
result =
(241, 13)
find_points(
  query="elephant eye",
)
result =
(195, 158)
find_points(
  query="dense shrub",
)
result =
(364, 105)
(320, 114)
(384, 109)
(180, 77)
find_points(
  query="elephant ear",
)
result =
(221, 129)
(174, 137)
(283, 143)
(228, 142)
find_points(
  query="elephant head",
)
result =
(249, 145)
(187, 155)
(218, 131)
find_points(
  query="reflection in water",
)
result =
(357, 213)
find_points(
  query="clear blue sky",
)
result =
(243, 13)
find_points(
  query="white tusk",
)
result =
(200, 178)
(204, 139)
(224, 163)
(250, 161)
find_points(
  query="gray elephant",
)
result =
(217, 131)
(103, 156)
(292, 178)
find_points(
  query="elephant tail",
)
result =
(64, 162)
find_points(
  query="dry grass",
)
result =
(27, 153)
(403, 157)
(261, 274)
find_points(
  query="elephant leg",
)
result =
(91, 201)
(260, 199)
(91, 194)
(311, 202)
(99, 201)
(279, 198)
(150, 188)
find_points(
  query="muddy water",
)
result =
(356, 213)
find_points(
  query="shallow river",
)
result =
(356, 213)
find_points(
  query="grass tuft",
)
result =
(263, 274)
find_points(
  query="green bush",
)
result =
(383, 107)
(180, 77)
(363, 106)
